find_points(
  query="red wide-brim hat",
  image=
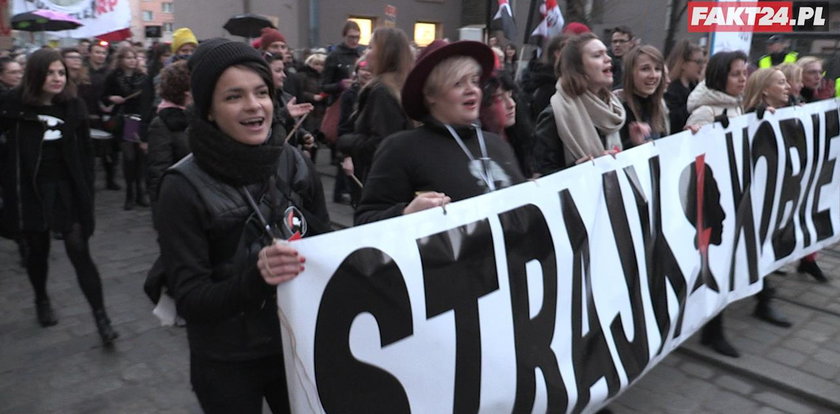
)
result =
(431, 56)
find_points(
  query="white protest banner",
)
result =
(97, 16)
(554, 295)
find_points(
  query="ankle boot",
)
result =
(129, 197)
(712, 337)
(766, 312)
(46, 315)
(103, 325)
(810, 267)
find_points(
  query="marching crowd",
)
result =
(219, 139)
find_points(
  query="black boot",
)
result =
(103, 325)
(110, 183)
(712, 337)
(810, 267)
(141, 199)
(23, 249)
(764, 310)
(129, 197)
(769, 314)
(46, 315)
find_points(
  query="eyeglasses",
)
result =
(620, 41)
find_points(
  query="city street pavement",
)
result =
(64, 369)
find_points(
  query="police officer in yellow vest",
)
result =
(777, 53)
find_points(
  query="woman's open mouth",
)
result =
(253, 123)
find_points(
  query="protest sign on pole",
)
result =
(557, 294)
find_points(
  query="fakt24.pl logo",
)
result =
(765, 16)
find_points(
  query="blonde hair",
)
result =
(807, 60)
(448, 72)
(315, 59)
(792, 71)
(757, 82)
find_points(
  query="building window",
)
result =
(366, 24)
(168, 27)
(166, 7)
(148, 16)
(425, 33)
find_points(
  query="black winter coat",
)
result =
(676, 98)
(310, 81)
(339, 65)
(379, 114)
(428, 158)
(22, 206)
(209, 243)
(120, 84)
(538, 85)
(549, 151)
(167, 145)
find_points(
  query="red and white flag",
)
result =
(551, 24)
(504, 20)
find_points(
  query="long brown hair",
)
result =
(35, 75)
(573, 75)
(657, 110)
(121, 53)
(391, 58)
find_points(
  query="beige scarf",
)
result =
(580, 120)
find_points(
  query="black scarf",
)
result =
(232, 162)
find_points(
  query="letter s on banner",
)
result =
(368, 280)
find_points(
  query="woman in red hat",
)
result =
(449, 157)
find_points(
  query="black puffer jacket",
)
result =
(209, 241)
(167, 145)
(22, 206)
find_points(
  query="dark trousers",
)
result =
(134, 163)
(107, 152)
(239, 387)
(78, 251)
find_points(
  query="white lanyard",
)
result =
(485, 160)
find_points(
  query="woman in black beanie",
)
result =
(223, 216)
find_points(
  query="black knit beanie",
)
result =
(207, 63)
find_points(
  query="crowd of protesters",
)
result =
(219, 138)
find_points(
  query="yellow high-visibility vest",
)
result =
(837, 88)
(767, 62)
